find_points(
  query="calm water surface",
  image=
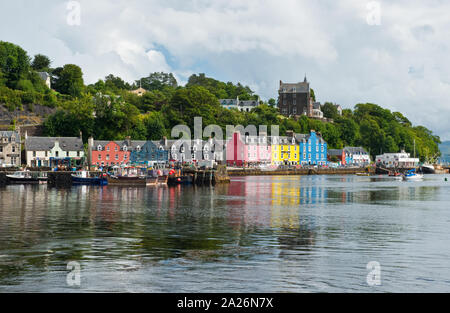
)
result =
(258, 234)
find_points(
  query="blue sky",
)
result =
(393, 53)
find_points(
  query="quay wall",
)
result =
(301, 171)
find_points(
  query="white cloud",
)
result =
(401, 64)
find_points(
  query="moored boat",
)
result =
(28, 178)
(427, 168)
(412, 175)
(83, 178)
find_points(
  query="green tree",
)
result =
(69, 80)
(14, 63)
(329, 110)
(158, 81)
(41, 63)
(154, 123)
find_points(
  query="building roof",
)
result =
(298, 87)
(335, 152)
(131, 144)
(241, 103)
(8, 134)
(48, 143)
(355, 150)
(44, 75)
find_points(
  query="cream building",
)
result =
(9, 149)
(53, 151)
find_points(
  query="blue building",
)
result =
(150, 153)
(313, 149)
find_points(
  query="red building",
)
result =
(235, 150)
(110, 153)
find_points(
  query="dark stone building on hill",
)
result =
(295, 99)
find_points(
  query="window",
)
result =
(57, 154)
(67, 153)
(138, 148)
(99, 157)
(1, 149)
(99, 148)
(125, 148)
(34, 154)
(78, 153)
(115, 148)
(125, 156)
(107, 148)
(107, 157)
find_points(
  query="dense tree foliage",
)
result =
(107, 109)
(41, 63)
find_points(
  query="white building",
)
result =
(46, 78)
(241, 105)
(400, 160)
(53, 151)
(357, 155)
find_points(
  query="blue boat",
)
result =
(412, 175)
(83, 178)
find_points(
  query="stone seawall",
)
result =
(3, 179)
(302, 171)
(60, 179)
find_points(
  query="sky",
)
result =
(392, 53)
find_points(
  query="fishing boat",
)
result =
(395, 174)
(28, 178)
(83, 178)
(427, 168)
(127, 180)
(412, 175)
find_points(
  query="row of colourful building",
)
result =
(238, 150)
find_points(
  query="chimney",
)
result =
(128, 141)
(26, 135)
(81, 135)
(165, 141)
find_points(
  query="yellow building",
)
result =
(285, 150)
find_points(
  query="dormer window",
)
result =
(161, 148)
(125, 148)
(99, 148)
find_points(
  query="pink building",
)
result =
(251, 150)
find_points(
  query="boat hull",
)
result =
(127, 181)
(89, 181)
(26, 180)
(413, 177)
(428, 170)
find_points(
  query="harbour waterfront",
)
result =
(257, 234)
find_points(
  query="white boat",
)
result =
(411, 175)
(28, 178)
